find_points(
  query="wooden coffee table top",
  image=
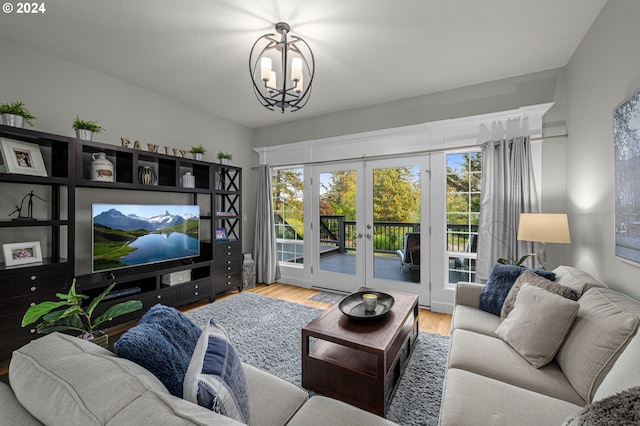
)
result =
(368, 335)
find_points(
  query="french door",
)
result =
(364, 214)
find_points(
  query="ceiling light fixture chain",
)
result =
(282, 70)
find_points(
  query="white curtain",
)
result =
(265, 247)
(508, 189)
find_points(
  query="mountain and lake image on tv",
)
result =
(126, 235)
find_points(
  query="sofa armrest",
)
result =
(468, 294)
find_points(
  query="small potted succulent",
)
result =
(85, 129)
(16, 114)
(68, 314)
(198, 152)
(224, 157)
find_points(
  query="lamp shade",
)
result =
(544, 228)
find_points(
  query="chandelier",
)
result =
(281, 70)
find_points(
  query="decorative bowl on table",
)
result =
(353, 305)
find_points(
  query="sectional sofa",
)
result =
(588, 375)
(62, 380)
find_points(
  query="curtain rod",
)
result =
(388, 156)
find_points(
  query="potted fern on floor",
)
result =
(70, 316)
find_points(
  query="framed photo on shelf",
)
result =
(221, 234)
(22, 253)
(21, 158)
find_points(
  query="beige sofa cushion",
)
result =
(266, 409)
(491, 357)
(327, 411)
(94, 387)
(538, 324)
(473, 319)
(470, 399)
(606, 322)
(576, 279)
(12, 412)
(624, 374)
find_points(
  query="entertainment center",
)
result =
(61, 225)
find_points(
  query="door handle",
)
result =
(359, 235)
(369, 236)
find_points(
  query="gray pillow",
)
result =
(538, 324)
(538, 281)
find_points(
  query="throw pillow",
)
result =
(534, 279)
(622, 408)
(215, 378)
(538, 324)
(162, 342)
(501, 279)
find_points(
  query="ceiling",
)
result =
(367, 51)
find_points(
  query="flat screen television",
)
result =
(127, 235)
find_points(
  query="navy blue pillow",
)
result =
(163, 343)
(500, 281)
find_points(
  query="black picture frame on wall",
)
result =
(626, 140)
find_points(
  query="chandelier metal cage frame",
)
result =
(293, 92)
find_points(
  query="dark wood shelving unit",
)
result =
(217, 269)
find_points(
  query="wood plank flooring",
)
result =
(431, 322)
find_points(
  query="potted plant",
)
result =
(198, 152)
(85, 129)
(224, 157)
(16, 114)
(68, 314)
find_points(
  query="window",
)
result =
(288, 211)
(463, 214)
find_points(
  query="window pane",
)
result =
(463, 214)
(288, 211)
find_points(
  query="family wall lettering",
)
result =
(176, 152)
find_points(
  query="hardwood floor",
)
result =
(431, 322)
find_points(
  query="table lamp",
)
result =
(544, 228)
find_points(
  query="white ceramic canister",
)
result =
(101, 168)
(188, 180)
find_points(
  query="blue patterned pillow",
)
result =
(501, 279)
(215, 378)
(162, 342)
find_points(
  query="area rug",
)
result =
(328, 297)
(267, 334)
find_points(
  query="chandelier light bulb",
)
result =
(296, 69)
(265, 69)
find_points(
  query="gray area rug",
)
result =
(266, 333)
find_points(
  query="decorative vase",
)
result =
(101, 168)
(198, 155)
(12, 120)
(84, 134)
(188, 180)
(147, 176)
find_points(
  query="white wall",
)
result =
(56, 90)
(604, 71)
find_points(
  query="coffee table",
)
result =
(360, 362)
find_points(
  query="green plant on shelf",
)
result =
(199, 149)
(17, 108)
(92, 126)
(224, 155)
